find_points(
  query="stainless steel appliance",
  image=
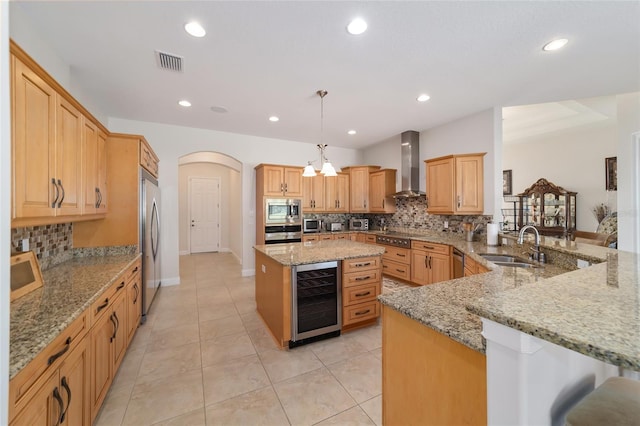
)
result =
(312, 225)
(393, 240)
(458, 263)
(316, 294)
(358, 224)
(334, 226)
(283, 211)
(149, 239)
(277, 234)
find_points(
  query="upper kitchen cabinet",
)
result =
(279, 181)
(455, 184)
(382, 185)
(148, 159)
(313, 193)
(336, 193)
(359, 187)
(47, 147)
(94, 161)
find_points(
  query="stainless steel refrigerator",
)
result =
(149, 239)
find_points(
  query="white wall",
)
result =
(386, 154)
(203, 170)
(628, 214)
(235, 219)
(471, 134)
(171, 142)
(5, 200)
(572, 159)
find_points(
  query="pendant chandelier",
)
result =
(327, 168)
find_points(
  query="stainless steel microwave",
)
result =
(359, 224)
(312, 225)
(282, 211)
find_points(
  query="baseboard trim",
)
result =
(248, 272)
(167, 282)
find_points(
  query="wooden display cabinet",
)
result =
(550, 208)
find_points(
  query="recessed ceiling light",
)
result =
(555, 44)
(274, 118)
(357, 26)
(219, 109)
(184, 103)
(351, 132)
(195, 29)
(423, 98)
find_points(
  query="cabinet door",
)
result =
(101, 365)
(292, 181)
(469, 184)
(274, 180)
(133, 305)
(120, 340)
(307, 194)
(45, 407)
(440, 186)
(101, 172)
(359, 190)
(33, 139)
(376, 192)
(74, 386)
(90, 164)
(419, 267)
(342, 193)
(440, 268)
(313, 193)
(68, 170)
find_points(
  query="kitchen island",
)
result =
(273, 281)
(436, 361)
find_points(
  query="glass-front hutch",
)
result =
(548, 207)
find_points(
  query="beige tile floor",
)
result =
(204, 357)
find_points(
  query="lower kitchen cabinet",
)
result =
(45, 407)
(361, 285)
(134, 304)
(471, 267)
(430, 263)
(396, 262)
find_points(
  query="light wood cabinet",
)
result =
(313, 196)
(430, 263)
(336, 190)
(396, 262)
(42, 391)
(361, 237)
(382, 185)
(148, 158)
(94, 169)
(455, 184)
(361, 285)
(471, 267)
(359, 187)
(278, 181)
(134, 303)
(48, 169)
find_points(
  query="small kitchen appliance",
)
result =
(312, 225)
(283, 211)
(334, 226)
(358, 224)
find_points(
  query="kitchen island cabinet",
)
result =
(430, 263)
(273, 280)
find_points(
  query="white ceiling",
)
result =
(269, 58)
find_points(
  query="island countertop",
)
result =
(69, 288)
(318, 251)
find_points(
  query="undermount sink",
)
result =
(508, 260)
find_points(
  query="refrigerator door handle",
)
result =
(155, 220)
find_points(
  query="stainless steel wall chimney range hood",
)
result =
(410, 165)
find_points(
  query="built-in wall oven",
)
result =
(316, 302)
(277, 234)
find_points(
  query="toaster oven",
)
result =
(358, 224)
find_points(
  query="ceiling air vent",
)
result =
(169, 62)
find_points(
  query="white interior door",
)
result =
(204, 208)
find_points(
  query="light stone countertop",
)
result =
(69, 288)
(318, 251)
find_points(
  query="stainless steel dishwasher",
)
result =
(458, 263)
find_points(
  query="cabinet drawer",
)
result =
(359, 278)
(371, 239)
(102, 304)
(21, 387)
(396, 269)
(433, 248)
(360, 264)
(359, 294)
(397, 254)
(360, 312)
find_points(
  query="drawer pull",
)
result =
(363, 294)
(363, 278)
(104, 305)
(360, 265)
(362, 312)
(134, 270)
(385, 266)
(58, 398)
(401, 255)
(400, 270)
(55, 356)
(428, 247)
(66, 387)
(120, 286)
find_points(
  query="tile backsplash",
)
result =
(52, 244)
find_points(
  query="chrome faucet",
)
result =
(537, 255)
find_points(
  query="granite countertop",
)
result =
(69, 288)
(318, 251)
(593, 311)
